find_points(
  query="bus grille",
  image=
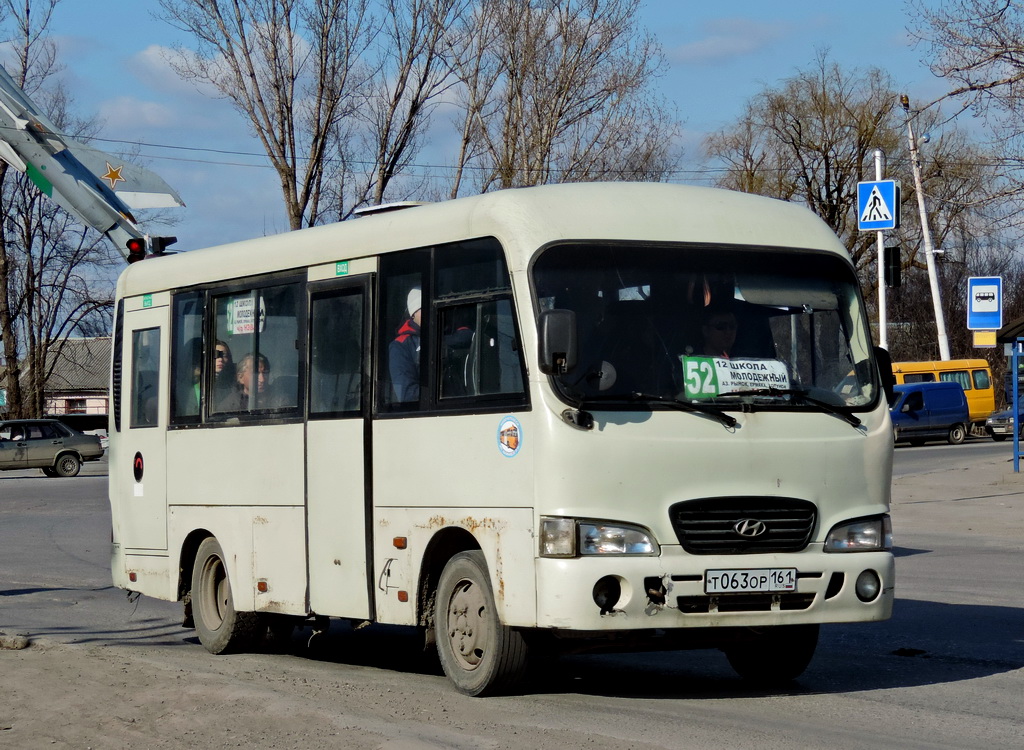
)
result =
(702, 605)
(712, 526)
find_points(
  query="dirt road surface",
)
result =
(904, 684)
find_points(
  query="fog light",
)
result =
(607, 593)
(868, 586)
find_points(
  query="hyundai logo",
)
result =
(749, 528)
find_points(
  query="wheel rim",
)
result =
(215, 595)
(467, 624)
(67, 465)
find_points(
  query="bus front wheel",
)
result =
(478, 654)
(774, 655)
(221, 628)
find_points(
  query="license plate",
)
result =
(758, 581)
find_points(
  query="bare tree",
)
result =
(54, 274)
(413, 71)
(292, 68)
(560, 90)
(811, 140)
(978, 46)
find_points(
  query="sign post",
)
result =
(878, 209)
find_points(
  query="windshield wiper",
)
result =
(714, 411)
(803, 396)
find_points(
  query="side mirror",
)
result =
(885, 373)
(558, 350)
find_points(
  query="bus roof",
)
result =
(940, 365)
(522, 219)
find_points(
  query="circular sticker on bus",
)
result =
(510, 436)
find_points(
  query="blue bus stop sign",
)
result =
(984, 303)
(878, 205)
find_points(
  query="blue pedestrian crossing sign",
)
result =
(878, 205)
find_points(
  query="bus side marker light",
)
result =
(403, 596)
(400, 542)
(262, 586)
(133, 577)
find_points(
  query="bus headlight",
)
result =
(570, 537)
(862, 535)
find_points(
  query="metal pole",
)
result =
(883, 327)
(926, 235)
(1018, 345)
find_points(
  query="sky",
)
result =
(719, 55)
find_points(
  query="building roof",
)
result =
(1010, 332)
(83, 365)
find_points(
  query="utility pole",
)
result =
(926, 235)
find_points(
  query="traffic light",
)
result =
(157, 245)
(136, 249)
(893, 267)
(139, 247)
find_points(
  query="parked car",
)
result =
(1000, 425)
(930, 411)
(46, 444)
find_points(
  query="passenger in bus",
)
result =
(238, 399)
(404, 352)
(718, 328)
(224, 371)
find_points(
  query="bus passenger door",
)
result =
(138, 469)
(336, 453)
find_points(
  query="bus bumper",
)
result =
(668, 592)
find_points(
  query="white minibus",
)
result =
(593, 416)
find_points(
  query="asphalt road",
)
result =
(946, 672)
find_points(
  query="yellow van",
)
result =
(973, 374)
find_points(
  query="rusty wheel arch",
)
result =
(445, 544)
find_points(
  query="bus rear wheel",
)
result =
(774, 655)
(478, 654)
(221, 628)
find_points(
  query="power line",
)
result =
(693, 173)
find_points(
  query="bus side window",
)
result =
(957, 376)
(981, 380)
(404, 326)
(480, 350)
(145, 377)
(336, 356)
(256, 333)
(186, 358)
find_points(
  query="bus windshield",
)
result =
(727, 327)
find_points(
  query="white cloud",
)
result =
(127, 110)
(729, 38)
(153, 66)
